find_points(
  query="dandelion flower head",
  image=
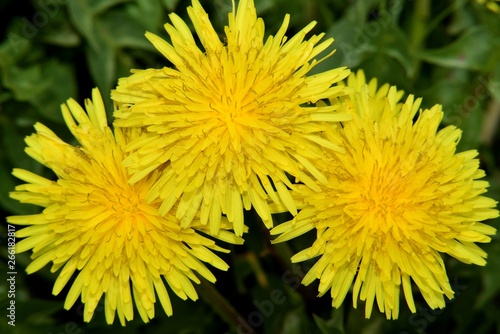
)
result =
(230, 121)
(398, 197)
(96, 224)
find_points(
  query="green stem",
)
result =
(259, 272)
(490, 124)
(440, 17)
(418, 29)
(221, 305)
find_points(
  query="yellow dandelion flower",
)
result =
(397, 198)
(97, 224)
(230, 121)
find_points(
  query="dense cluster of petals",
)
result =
(97, 224)
(240, 123)
(230, 121)
(396, 198)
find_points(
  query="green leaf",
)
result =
(102, 65)
(471, 127)
(64, 36)
(45, 86)
(295, 322)
(457, 90)
(334, 325)
(477, 49)
(349, 39)
(494, 83)
(61, 85)
(356, 41)
(13, 48)
(491, 273)
(100, 6)
(386, 69)
(119, 34)
(24, 82)
(12, 155)
(13, 145)
(83, 16)
(393, 42)
(346, 43)
(170, 4)
(149, 13)
(461, 18)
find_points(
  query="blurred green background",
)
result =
(448, 52)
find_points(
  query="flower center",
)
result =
(122, 201)
(125, 204)
(384, 198)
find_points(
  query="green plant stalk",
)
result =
(440, 17)
(418, 30)
(221, 305)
